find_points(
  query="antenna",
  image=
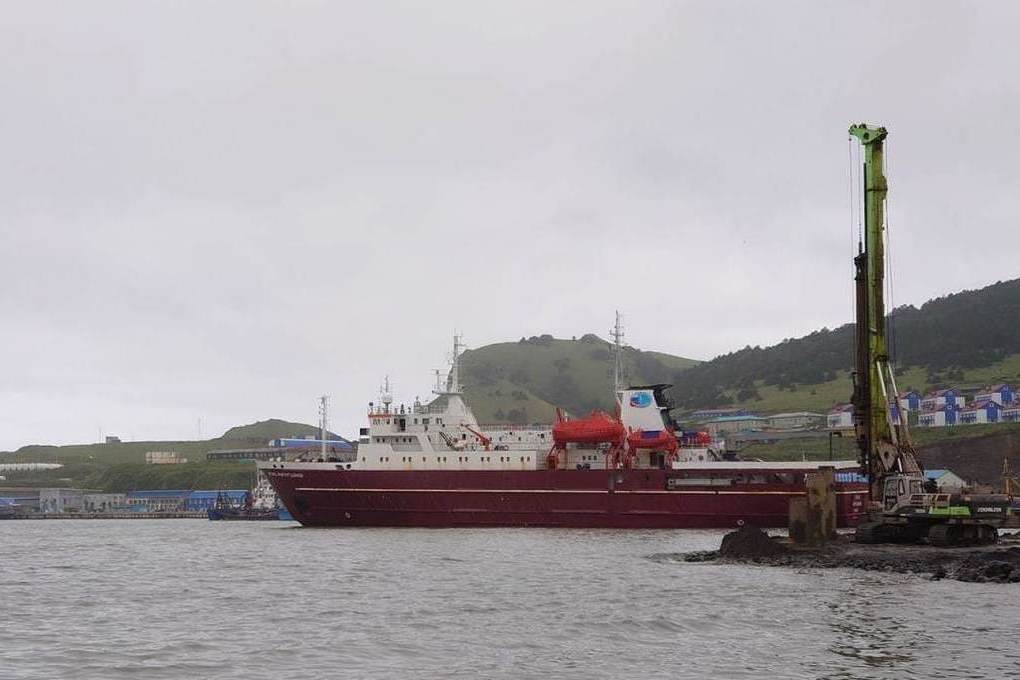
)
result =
(323, 422)
(385, 395)
(617, 335)
(458, 347)
(453, 378)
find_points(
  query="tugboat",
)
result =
(260, 505)
(433, 465)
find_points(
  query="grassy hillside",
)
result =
(524, 381)
(845, 448)
(121, 466)
(823, 395)
(973, 336)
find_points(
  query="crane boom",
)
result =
(885, 446)
(903, 508)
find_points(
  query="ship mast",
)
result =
(323, 423)
(453, 385)
(617, 335)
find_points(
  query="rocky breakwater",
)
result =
(996, 564)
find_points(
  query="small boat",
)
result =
(260, 505)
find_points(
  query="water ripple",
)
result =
(186, 598)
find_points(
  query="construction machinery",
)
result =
(904, 509)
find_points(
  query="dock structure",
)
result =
(179, 514)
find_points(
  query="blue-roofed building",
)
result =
(720, 427)
(203, 500)
(946, 480)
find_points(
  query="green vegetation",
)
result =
(524, 381)
(967, 337)
(822, 396)
(121, 467)
(845, 448)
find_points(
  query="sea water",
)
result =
(197, 599)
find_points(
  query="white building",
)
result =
(798, 420)
(947, 480)
(946, 397)
(164, 458)
(720, 427)
(60, 500)
(841, 417)
(103, 502)
(937, 417)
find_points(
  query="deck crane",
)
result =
(485, 441)
(901, 508)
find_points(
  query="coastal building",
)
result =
(980, 412)
(720, 427)
(157, 500)
(199, 500)
(60, 500)
(1002, 394)
(103, 502)
(798, 420)
(948, 397)
(941, 416)
(20, 499)
(164, 458)
(1011, 413)
(711, 413)
(946, 480)
(841, 417)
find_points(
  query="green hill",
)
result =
(524, 381)
(966, 339)
(121, 466)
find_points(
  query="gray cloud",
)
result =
(224, 212)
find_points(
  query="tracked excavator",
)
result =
(903, 508)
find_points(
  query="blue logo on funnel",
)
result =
(640, 399)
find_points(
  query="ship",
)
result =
(434, 465)
(261, 504)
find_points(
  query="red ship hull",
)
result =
(624, 499)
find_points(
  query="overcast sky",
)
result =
(221, 210)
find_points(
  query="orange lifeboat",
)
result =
(661, 440)
(597, 428)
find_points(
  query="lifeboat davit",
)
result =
(597, 428)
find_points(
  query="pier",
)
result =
(181, 514)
